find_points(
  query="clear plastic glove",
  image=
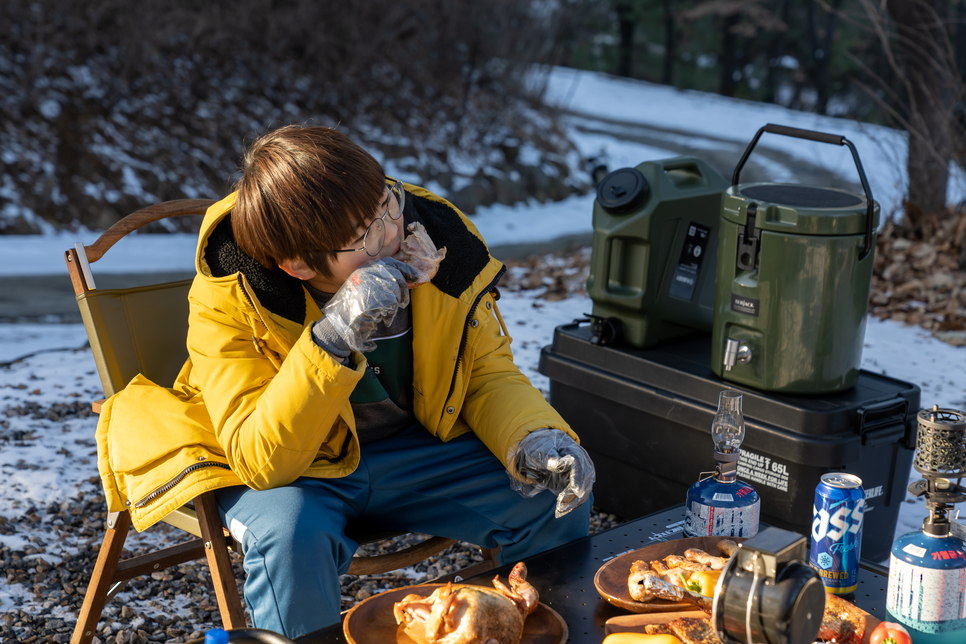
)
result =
(373, 293)
(549, 459)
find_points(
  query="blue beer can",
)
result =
(837, 531)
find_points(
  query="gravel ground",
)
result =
(173, 605)
(48, 548)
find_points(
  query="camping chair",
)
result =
(143, 330)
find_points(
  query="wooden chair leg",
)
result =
(216, 550)
(102, 578)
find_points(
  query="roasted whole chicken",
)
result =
(470, 614)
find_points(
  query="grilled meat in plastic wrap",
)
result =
(419, 251)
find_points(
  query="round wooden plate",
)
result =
(611, 578)
(371, 620)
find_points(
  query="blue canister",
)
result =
(837, 517)
(927, 587)
(718, 509)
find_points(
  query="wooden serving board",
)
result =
(611, 578)
(637, 623)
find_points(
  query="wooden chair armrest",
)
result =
(97, 404)
(176, 208)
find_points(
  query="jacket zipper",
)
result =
(345, 445)
(466, 329)
(197, 466)
(251, 302)
(177, 479)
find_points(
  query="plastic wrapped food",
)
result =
(419, 251)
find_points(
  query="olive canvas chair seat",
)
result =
(143, 330)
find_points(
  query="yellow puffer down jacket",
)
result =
(259, 403)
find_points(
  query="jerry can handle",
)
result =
(688, 164)
(818, 137)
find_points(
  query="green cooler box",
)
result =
(645, 416)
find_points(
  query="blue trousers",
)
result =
(294, 541)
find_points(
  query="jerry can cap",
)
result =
(622, 191)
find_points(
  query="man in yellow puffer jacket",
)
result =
(319, 389)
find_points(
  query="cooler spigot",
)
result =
(730, 353)
(736, 352)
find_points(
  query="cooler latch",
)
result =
(747, 256)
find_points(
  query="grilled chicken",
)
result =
(643, 584)
(675, 570)
(677, 561)
(635, 581)
(727, 547)
(843, 623)
(694, 630)
(419, 251)
(702, 557)
(470, 614)
(667, 574)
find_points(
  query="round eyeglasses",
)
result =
(375, 235)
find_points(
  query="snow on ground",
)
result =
(718, 118)
(44, 461)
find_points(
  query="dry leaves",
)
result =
(923, 281)
(562, 274)
(915, 281)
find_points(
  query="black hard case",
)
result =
(645, 417)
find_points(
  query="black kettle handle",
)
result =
(819, 137)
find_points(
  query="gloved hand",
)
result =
(549, 459)
(372, 294)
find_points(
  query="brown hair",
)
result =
(304, 191)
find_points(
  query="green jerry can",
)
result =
(794, 273)
(654, 246)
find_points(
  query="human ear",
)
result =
(297, 268)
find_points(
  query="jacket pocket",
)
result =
(148, 452)
(137, 439)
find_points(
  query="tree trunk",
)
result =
(961, 37)
(775, 52)
(931, 79)
(729, 55)
(670, 44)
(627, 21)
(822, 61)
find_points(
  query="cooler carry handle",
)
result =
(819, 137)
(882, 416)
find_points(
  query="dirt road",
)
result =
(51, 298)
